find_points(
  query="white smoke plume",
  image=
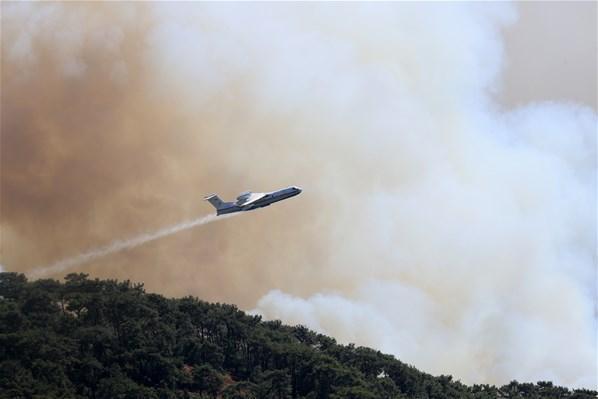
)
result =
(121, 245)
(434, 225)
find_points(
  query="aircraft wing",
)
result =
(253, 197)
(249, 198)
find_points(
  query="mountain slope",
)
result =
(107, 339)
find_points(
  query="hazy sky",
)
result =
(448, 212)
(551, 54)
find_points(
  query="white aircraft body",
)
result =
(248, 201)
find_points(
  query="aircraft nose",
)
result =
(298, 189)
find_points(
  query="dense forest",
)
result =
(89, 338)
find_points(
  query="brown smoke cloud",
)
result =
(424, 209)
(97, 145)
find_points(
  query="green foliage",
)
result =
(107, 339)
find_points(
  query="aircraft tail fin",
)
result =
(215, 201)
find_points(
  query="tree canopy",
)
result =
(90, 338)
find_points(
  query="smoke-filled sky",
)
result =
(447, 153)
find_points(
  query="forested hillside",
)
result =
(107, 339)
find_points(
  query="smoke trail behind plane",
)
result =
(121, 245)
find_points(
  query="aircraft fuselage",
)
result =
(251, 201)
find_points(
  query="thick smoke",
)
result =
(433, 224)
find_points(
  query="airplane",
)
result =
(248, 201)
